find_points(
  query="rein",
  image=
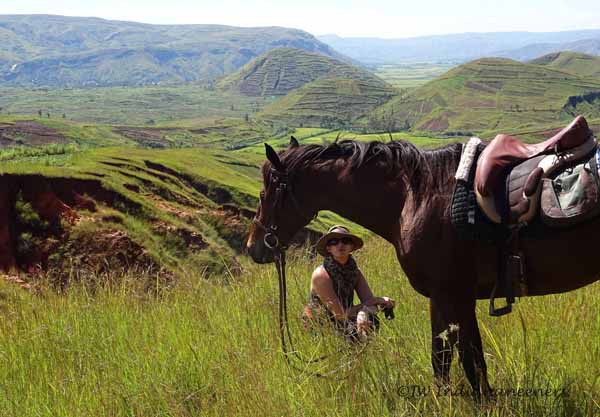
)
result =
(273, 243)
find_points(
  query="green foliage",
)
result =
(42, 50)
(128, 347)
(490, 94)
(21, 152)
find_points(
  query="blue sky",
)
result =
(377, 18)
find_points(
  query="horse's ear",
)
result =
(274, 158)
(293, 142)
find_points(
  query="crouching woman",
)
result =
(334, 283)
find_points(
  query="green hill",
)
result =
(75, 51)
(329, 102)
(580, 64)
(489, 94)
(282, 70)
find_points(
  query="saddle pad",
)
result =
(466, 216)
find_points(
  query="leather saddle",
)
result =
(525, 165)
(508, 190)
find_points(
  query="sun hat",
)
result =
(339, 232)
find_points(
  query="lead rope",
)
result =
(284, 328)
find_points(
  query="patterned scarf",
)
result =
(344, 279)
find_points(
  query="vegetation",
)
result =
(198, 347)
(130, 106)
(406, 76)
(580, 64)
(282, 70)
(59, 51)
(489, 94)
(329, 102)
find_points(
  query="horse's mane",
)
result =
(419, 166)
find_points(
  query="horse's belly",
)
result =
(565, 261)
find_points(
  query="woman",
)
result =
(333, 285)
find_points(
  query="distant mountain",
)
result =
(491, 94)
(282, 70)
(529, 52)
(45, 50)
(581, 64)
(448, 48)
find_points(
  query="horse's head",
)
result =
(279, 214)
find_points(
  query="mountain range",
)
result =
(463, 47)
(47, 50)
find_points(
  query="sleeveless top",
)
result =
(344, 279)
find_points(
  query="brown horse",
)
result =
(403, 194)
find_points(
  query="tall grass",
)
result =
(210, 347)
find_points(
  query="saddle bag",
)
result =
(572, 196)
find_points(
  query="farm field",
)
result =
(411, 75)
(202, 347)
(129, 105)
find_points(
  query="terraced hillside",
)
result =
(490, 94)
(282, 70)
(581, 64)
(329, 102)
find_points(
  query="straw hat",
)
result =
(337, 232)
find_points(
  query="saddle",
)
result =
(509, 182)
(525, 165)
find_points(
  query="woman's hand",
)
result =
(382, 302)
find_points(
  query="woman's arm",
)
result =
(366, 295)
(322, 286)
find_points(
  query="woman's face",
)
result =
(340, 248)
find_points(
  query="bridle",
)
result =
(280, 180)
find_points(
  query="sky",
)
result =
(346, 18)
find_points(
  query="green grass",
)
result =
(411, 75)
(129, 105)
(204, 348)
(490, 94)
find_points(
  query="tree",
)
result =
(40, 113)
(246, 117)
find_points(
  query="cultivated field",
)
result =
(131, 346)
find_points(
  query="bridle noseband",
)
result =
(283, 188)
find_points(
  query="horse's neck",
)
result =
(377, 202)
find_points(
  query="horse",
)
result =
(403, 194)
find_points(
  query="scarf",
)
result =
(344, 279)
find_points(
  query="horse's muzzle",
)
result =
(260, 253)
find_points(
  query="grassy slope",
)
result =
(282, 70)
(140, 105)
(213, 350)
(329, 101)
(484, 95)
(186, 198)
(581, 64)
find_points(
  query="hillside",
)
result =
(489, 94)
(73, 51)
(590, 46)
(329, 102)
(577, 63)
(282, 70)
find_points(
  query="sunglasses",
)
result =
(335, 241)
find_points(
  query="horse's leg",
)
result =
(453, 320)
(470, 351)
(442, 343)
